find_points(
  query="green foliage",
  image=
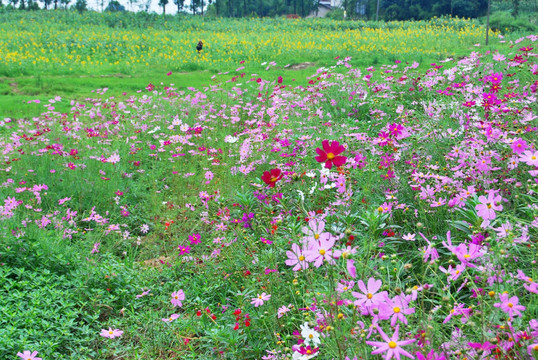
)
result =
(81, 6)
(504, 21)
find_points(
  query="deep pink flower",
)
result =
(184, 250)
(194, 239)
(271, 177)
(519, 146)
(330, 154)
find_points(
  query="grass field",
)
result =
(377, 204)
(44, 54)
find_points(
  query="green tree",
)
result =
(180, 4)
(163, 3)
(114, 5)
(81, 6)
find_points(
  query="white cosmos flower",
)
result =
(310, 335)
(230, 139)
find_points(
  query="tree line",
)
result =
(387, 10)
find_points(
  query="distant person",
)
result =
(199, 46)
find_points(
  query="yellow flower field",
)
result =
(66, 42)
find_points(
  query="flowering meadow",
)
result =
(98, 43)
(377, 212)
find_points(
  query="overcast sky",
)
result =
(171, 8)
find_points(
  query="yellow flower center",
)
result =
(369, 296)
(396, 309)
(274, 179)
(308, 352)
(489, 206)
(311, 336)
(466, 256)
(111, 332)
(322, 252)
(316, 236)
(392, 344)
(532, 157)
(510, 305)
(301, 258)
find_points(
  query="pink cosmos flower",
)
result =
(430, 356)
(369, 296)
(467, 254)
(26, 355)
(314, 230)
(260, 299)
(459, 309)
(487, 207)
(453, 273)
(170, 318)
(296, 258)
(177, 297)
(319, 251)
(510, 305)
(530, 158)
(111, 334)
(395, 309)
(391, 345)
(144, 293)
(532, 350)
(330, 154)
(351, 269)
(283, 310)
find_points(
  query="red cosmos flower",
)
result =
(329, 154)
(271, 177)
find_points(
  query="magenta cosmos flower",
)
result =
(27, 355)
(177, 297)
(392, 346)
(271, 177)
(111, 334)
(330, 154)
